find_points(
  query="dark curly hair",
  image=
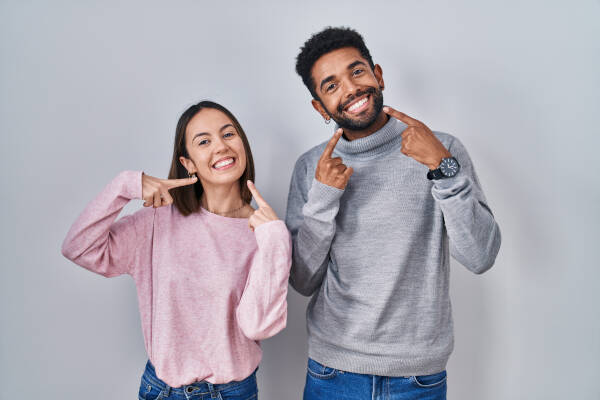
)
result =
(323, 42)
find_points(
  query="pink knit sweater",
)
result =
(208, 287)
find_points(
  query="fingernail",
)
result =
(386, 109)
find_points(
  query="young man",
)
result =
(375, 213)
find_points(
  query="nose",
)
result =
(220, 145)
(351, 88)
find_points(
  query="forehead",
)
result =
(335, 62)
(209, 120)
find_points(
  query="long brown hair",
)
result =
(187, 198)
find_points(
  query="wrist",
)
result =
(438, 160)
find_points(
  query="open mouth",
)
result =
(359, 105)
(224, 163)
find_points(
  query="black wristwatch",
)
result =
(447, 169)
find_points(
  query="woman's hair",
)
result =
(187, 198)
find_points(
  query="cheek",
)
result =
(199, 158)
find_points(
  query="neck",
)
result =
(220, 199)
(381, 120)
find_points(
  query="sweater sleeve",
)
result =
(262, 310)
(311, 220)
(473, 232)
(101, 245)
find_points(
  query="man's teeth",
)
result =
(357, 105)
(224, 163)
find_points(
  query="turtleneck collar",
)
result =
(379, 142)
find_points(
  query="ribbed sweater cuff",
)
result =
(321, 195)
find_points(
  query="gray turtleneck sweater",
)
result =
(375, 256)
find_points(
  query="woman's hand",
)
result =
(264, 213)
(155, 191)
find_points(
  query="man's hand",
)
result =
(418, 142)
(331, 171)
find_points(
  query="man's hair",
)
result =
(323, 42)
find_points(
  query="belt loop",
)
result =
(213, 393)
(167, 390)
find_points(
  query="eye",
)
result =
(330, 87)
(357, 71)
(229, 135)
(202, 142)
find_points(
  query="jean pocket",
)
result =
(320, 371)
(149, 392)
(245, 390)
(430, 381)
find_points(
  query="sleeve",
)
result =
(311, 220)
(262, 310)
(472, 230)
(101, 245)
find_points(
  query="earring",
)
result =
(327, 121)
(191, 175)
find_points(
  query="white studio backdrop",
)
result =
(88, 89)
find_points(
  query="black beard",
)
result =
(358, 125)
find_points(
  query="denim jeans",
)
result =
(152, 388)
(325, 383)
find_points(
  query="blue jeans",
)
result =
(325, 383)
(152, 388)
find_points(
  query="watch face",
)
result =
(449, 166)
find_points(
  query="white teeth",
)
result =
(356, 106)
(223, 163)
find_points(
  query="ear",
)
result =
(188, 164)
(320, 109)
(379, 76)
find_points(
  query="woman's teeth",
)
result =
(357, 105)
(223, 163)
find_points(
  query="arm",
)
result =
(311, 220)
(98, 243)
(262, 310)
(473, 232)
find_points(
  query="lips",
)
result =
(224, 163)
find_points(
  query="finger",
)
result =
(173, 183)
(147, 203)
(347, 173)
(157, 200)
(336, 161)
(166, 198)
(257, 197)
(331, 144)
(401, 116)
(340, 168)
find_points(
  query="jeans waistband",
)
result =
(201, 387)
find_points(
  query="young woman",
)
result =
(211, 272)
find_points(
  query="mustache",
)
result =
(369, 90)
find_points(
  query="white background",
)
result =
(88, 89)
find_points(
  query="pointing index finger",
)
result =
(331, 144)
(401, 116)
(173, 183)
(257, 197)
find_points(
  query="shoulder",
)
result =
(308, 160)
(311, 156)
(446, 138)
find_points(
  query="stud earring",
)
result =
(327, 121)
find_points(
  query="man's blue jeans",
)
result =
(325, 383)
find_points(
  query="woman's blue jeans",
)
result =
(152, 388)
(325, 383)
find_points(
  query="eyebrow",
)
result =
(208, 134)
(331, 77)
